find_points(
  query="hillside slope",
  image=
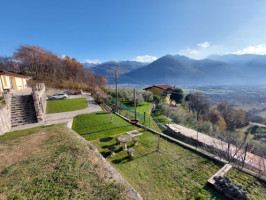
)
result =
(185, 71)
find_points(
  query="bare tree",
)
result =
(198, 103)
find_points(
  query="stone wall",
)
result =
(5, 115)
(39, 98)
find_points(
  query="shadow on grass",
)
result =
(102, 113)
(127, 159)
(213, 192)
(106, 154)
(122, 160)
(107, 139)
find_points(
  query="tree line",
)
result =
(53, 70)
(141, 95)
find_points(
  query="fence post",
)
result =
(145, 120)
(149, 120)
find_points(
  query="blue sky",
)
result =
(134, 29)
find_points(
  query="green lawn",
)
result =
(174, 173)
(145, 107)
(99, 124)
(66, 105)
(50, 163)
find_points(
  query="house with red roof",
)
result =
(162, 90)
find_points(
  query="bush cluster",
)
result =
(235, 190)
(141, 95)
(97, 97)
(184, 118)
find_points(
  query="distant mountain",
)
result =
(252, 67)
(89, 65)
(162, 70)
(107, 69)
(234, 58)
(215, 70)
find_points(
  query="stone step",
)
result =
(22, 110)
(26, 108)
(22, 117)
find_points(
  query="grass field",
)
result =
(145, 107)
(99, 124)
(174, 173)
(66, 105)
(50, 163)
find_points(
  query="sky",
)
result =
(141, 30)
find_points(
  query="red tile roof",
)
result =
(164, 86)
(161, 86)
(3, 72)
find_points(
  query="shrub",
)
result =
(96, 96)
(165, 109)
(148, 96)
(206, 127)
(161, 103)
(178, 116)
(235, 190)
(156, 97)
(191, 121)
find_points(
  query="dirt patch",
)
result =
(19, 149)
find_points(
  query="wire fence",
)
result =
(147, 119)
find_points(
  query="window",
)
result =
(5, 83)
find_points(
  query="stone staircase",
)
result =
(22, 110)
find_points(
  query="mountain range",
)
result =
(107, 69)
(231, 69)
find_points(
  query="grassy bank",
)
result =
(172, 173)
(50, 163)
(66, 105)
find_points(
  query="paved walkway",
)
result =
(57, 118)
(250, 159)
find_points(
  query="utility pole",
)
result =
(116, 91)
(150, 120)
(135, 104)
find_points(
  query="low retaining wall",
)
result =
(131, 191)
(39, 98)
(218, 147)
(5, 115)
